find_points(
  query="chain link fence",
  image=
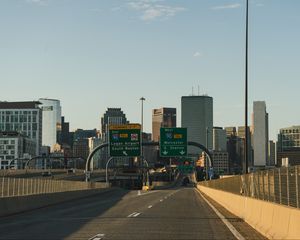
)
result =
(15, 187)
(279, 185)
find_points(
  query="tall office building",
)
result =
(241, 138)
(260, 126)
(51, 121)
(14, 148)
(233, 149)
(111, 116)
(288, 146)
(289, 139)
(63, 135)
(24, 118)
(219, 139)
(162, 117)
(272, 154)
(230, 131)
(197, 117)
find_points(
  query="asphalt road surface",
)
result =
(179, 213)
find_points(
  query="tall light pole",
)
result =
(246, 93)
(142, 99)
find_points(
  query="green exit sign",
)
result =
(125, 140)
(173, 142)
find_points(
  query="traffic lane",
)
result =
(181, 214)
(58, 221)
(79, 219)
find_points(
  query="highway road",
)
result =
(179, 213)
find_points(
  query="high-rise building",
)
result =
(241, 139)
(81, 148)
(288, 146)
(272, 153)
(111, 116)
(230, 131)
(162, 117)
(51, 121)
(197, 117)
(260, 128)
(219, 139)
(289, 139)
(84, 134)
(63, 135)
(14, 148)
(24, 118)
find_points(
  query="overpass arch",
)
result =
(96, 149)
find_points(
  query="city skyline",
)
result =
(98, 55)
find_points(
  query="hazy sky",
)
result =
(94, 54)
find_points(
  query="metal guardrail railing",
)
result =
(279, 185)
(16, 187)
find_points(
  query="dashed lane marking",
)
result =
(135, 214)
(97, 237)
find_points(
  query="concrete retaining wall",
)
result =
(12, 205)
(272, 220)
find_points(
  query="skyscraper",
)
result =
(111, 116)
(197, 117)
(219, 139)
(288, 146)
(51, 121)
(24, 118)
(162, 117)
(260, 130)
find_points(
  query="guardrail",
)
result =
(15, 187)
(279, 185)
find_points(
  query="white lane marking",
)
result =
(130, 215)
(161, 200)
(97, 237)
(139, 193)
(135, 214)
(224, 220)
(150, 206)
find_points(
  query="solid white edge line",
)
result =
(224, 220)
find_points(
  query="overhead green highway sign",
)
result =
(125, 140)
(173, 142)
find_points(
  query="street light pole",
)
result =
(246, 94)
(142, 123)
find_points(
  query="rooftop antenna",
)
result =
(192, 91)
(198, 90)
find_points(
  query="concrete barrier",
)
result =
(13, 205)
(272, 220)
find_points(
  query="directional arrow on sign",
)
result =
(165, 152)
(125, 153)
(182, 152)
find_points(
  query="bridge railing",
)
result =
(279, 185)
(15, 187)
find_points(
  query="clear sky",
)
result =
(94, 54)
